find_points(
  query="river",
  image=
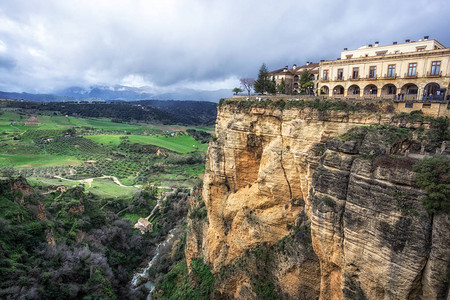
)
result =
(142, 276)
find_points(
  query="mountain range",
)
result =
(119, 92)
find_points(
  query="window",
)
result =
(340, 74)
(392, 90)
(381, 53)
(325, 74)
(409, 105)
(349, 56)
(421, 49)
(435, 68)
(391, 71)
(412, 69)
(355, 73)
(426, 105)
(396, 52)
(372, 72)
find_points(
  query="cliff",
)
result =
(295, 213)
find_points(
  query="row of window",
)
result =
(412, 69)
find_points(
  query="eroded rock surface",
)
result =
(275, 175)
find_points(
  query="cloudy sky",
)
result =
(202, 44)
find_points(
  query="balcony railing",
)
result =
(384, 77)
(410, 75)
(390, 76)
(434, 74)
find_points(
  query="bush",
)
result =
(433, 176)
(199, 211)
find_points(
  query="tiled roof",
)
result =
(297, 70)
(281, 71)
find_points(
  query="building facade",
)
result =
(417, 70)
(291, 77)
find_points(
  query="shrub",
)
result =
(433, 176)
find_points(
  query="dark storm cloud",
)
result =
(6, 63)
(202, 44)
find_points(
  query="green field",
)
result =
(98, 147)
(36, 160)
(102, 187)
(180, 144)
(62, 122)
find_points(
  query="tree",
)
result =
(248, 83)
(432, 176)
(263, 84)
(306, 83)
(237, 90)
(281, 87)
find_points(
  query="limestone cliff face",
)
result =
(370, 230)
(271, 181)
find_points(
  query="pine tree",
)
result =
(263, 84)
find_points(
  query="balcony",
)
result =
(390, 76)
(410, 75)
(368, 77)
(435, 74)
(339, 78)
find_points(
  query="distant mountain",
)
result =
(35, 97)
(119, 92)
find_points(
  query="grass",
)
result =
(37, 160)
(102, 187)
(106, 188)
(181, 144)
(62, 122)
(132, 217)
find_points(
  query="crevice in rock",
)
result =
(281, 160)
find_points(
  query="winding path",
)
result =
(90, 180)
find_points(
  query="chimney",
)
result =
(407, 41)
(322, 60)
(294, 67)
(426, 37)
(285, 69)
(376, 44)
(345, 49)
(370, 45)
(307, 63)
(394, 43)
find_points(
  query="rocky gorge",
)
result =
(319, 202)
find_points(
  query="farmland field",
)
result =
(180, 144)
(43, 144)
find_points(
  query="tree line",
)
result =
(266, 84)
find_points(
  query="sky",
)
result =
(163, 45)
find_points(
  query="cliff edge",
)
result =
(294, 212)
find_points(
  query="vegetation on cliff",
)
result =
(178, 283)
(58, 242)
(433, 176)
(320, 105)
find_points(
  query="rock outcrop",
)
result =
(274, 176)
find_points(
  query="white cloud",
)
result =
(199, 44)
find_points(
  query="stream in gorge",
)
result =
(141, 277)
